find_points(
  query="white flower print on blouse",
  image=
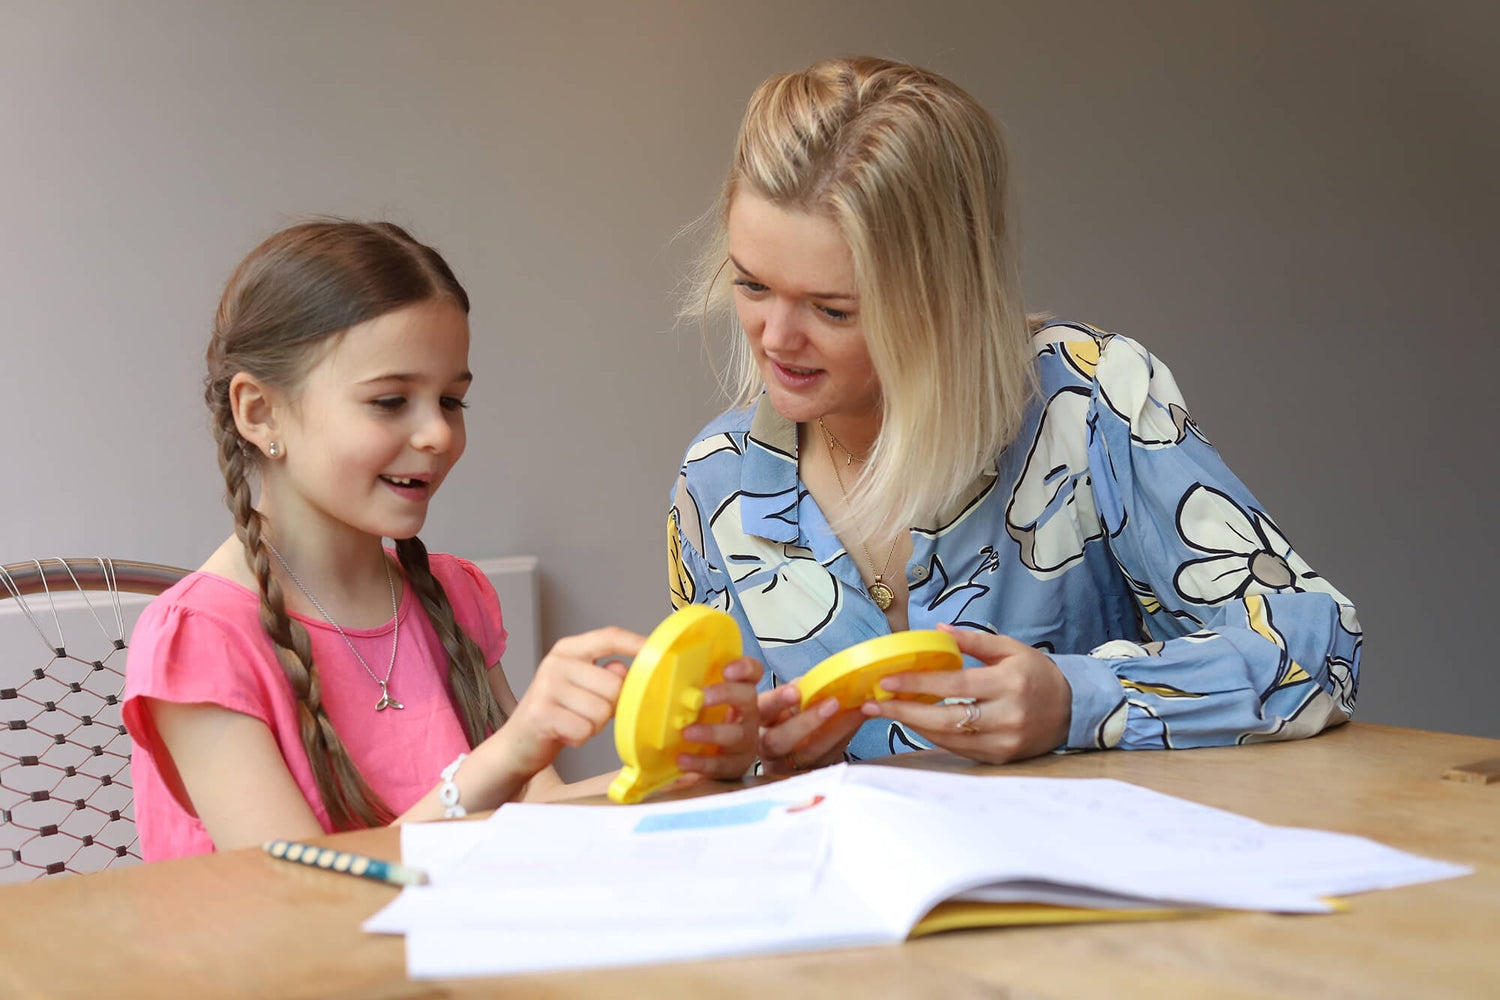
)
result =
(1345, 683)
(786, 594)
(1120, 649)
(1051, 514)
(1247, 554)
(711, 446)
(1143, 395)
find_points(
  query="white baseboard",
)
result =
(517, 582)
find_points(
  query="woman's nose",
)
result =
(782, 331)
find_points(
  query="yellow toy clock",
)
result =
(663, 692)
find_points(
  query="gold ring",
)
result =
(971, 716)
(791, 759)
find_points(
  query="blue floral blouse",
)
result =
(1110, 534)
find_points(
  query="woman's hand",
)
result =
(569, 700)
(793, 740)
(736, 736)
(1022, 702)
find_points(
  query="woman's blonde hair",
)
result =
(298, 289)
(913, 171)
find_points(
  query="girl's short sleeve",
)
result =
(184, 655)
(476, 606)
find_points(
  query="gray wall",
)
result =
(1292, 203)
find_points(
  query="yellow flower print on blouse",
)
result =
(678, 578)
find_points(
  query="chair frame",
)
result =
(129, 576)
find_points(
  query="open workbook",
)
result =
(847, 856)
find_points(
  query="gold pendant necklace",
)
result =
(879, 591)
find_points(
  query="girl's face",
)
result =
(795, 294)
(377, 424)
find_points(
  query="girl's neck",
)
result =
(344, 569)
(343, 562)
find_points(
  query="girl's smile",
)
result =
(410, 487)
(377, 424)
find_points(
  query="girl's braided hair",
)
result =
(300, 287)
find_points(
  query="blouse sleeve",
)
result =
(696, 574)
(1245, 642)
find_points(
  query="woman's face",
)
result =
(795, 294)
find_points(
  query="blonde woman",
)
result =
(907, 449)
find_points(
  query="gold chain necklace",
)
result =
(835, 441)
(879, 591)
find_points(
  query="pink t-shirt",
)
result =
(202, 641)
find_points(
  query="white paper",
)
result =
(435, 848)
(836, 858)
(682, 862)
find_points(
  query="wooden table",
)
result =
(242, 925)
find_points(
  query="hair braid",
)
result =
(296, 292)
(468, 674)
(349, 801)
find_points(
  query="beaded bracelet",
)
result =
(448, 793)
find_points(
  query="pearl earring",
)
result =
(273, 449)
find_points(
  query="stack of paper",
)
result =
(846, 856)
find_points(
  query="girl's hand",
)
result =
(570, 698)
(793, 740)
(1022, 702)
(736, 736)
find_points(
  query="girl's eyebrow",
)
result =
(840, 296)
(407, 377)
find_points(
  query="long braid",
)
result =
(296, 290)
(350, 802)
(468, 674)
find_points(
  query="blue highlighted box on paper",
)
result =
(702, 819)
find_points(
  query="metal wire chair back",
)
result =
(65, 794)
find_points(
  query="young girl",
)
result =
(304, 680)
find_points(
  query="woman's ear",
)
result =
(253, 404)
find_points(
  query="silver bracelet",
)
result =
(448, 793)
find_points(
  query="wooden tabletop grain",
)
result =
(240, 924)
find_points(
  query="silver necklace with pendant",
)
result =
(386, 701)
